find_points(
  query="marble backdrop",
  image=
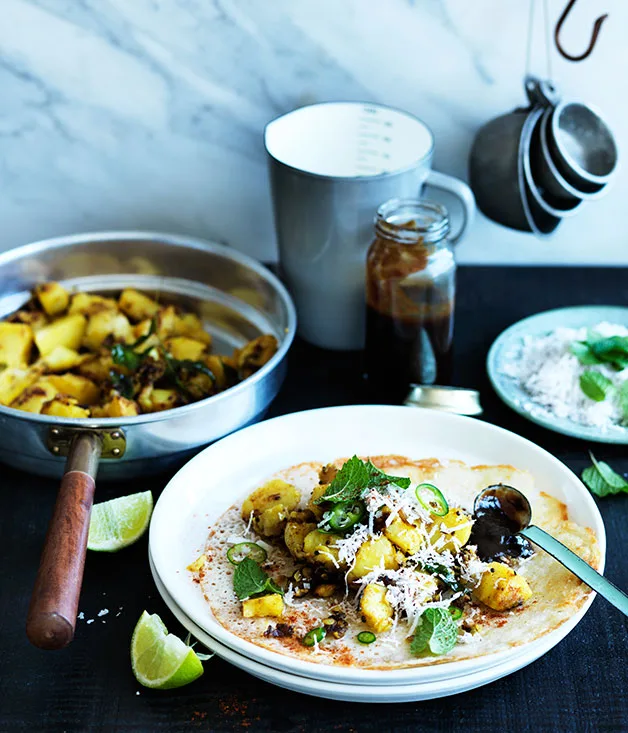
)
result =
(148, 114)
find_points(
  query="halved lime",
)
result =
(161, 660)
(120, 522)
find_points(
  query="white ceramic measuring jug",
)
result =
(332, 165)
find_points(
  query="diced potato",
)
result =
(152, 399)
(325, 590)
(35, 319)
(270, 605)
(182, 347)
(218, 370)
(89, 304)
(64, 407)
(376, 609)
(454, 530)
(270, 494)
(198, 385)
(16, 342)
(501, 588)
(116, 407)
(374, 553)
(32, 398)
(60, 359)
(255, 354)
(73, 385)
(122, 407)
(107, 323)
(14, 381)
(190, 325)
(136, 305)
(198, 564)
(167, 319)
(405, 536)
(317, 492)
(271, 522)
(318, 548)
(97, 367)
(67, 331)
(298, 527)
(54, 298)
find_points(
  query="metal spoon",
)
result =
(513, 513)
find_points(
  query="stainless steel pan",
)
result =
(237, 299)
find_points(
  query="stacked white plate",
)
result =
(227, 471)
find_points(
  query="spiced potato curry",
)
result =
(374, 563)
(86, 355)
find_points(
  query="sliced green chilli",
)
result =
(366, 637)
(432, 499)
(314, 636)
(456, 613)
(238, 552)
(345, 515)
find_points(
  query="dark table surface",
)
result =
(580, 685)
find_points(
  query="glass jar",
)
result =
(410, 290)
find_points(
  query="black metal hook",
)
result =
(596, 32)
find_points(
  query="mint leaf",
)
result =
(613, 479)
(583, 353)
(250, 580)
(595, 385)
(608, 348)
(348, 483)
(623, 399)
(355, 478)
(378, 479)
(437, 631)
(601, 480)
(595, 483)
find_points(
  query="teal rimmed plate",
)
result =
(508, 346)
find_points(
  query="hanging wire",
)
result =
(530, 35)
(547, 39)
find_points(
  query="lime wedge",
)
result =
(161, 660)
(120, 522)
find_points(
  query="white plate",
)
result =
(337, 690)
(227, 471)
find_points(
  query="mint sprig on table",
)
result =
(601, 480)
(437, 632)
(355, 478)
(250, 580)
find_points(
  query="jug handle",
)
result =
(462, 192)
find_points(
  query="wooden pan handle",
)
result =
(54, 602)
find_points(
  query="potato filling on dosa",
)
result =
(370, 562)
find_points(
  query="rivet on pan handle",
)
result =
(113, 441)
(54, 602)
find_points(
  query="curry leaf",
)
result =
(122, 384)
